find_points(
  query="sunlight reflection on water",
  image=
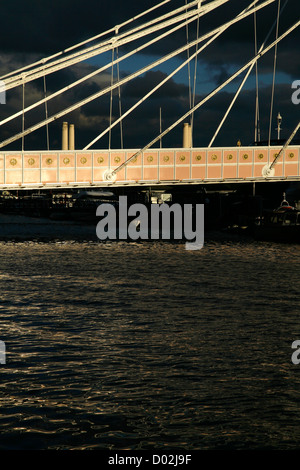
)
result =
(142, 346)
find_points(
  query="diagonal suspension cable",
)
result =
(274, 73)
(102, 92)
(111, 174)
(120, 101)
(96, 72)
(241, 16)
(195, 76)
(243, 81)
(257, 113)
(111, 96)
(188, 55)
(139, 32)
(86, 41)
(46, 113)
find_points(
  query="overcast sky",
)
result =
(32, 29)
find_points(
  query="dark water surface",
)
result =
(149, 346)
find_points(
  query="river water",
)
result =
(149, 346)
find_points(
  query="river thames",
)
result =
(149, 346)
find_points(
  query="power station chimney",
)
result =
(187, 135)
(65, 143)
(71, 137)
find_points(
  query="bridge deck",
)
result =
(50, 169)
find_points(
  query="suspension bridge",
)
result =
(152, 164)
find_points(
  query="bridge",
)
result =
(152, 164)
(74, 169)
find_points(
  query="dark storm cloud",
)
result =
(140, 86)
(47, 26)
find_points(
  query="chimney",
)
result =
(65, 144)
(71, 137)
(187, 135)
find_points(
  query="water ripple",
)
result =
(148, 346)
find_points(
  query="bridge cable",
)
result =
(216, 33)
(287, 143)
(195, 77)
(23, 115)
(257, 112)
(124, 38)
(46, 59)
(120, 100)
(243, 81)
(268, 170)
(46, 113)
(188, 67)
(111, 97)
(110, 174)
(274, 73)
(101, 69)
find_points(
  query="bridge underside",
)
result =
(160, 166)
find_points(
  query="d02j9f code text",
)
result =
(171, 459)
